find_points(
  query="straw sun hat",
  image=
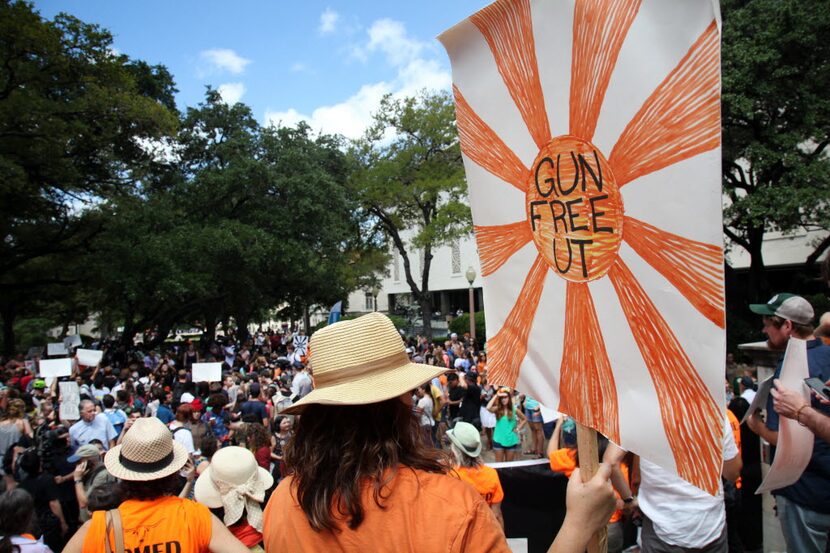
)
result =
(148, 452)
(359, 362)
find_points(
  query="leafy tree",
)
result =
(72, 119)
(776, 122)
(410, 182)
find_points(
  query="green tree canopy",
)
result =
(776, 122)
(410, 179)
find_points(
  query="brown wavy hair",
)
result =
(337, 450)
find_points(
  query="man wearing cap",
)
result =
(803, 507)
(92, 426)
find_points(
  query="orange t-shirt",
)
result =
(421, 511)
(166, 525)
(485, 480)
(563, 460)
(735, 424)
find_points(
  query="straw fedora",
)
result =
(359, 362)
(148, 452)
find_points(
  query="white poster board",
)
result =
(70, 398)
(56, 348)
(88, 357)
(795, 442)
(72, 341)
(207, 372)
(591, 144)
(55, 367)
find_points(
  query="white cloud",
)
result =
(223, 59)
(231, 93)
(328, 21)
(300, 67)
(416, 66)
(349, 118)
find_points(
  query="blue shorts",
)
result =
(534, 415)
(498, 447)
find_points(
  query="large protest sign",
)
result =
(88, 357)
(70, 398)
(207, 372)
(55, 367)
(590, 132)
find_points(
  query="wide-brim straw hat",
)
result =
(148, 452)
(359, 362)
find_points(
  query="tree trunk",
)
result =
(210, 330)
(242, 328)
(9, 314)
(426, 314)
(758, 288)
(306, 319)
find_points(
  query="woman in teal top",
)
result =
(509, 421)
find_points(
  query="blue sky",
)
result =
(327, 63)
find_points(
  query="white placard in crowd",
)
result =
(55, 367)
(35, 351)
(89, 357)
(56, 348)
(207, 372)
(70, 398)
(72, 341)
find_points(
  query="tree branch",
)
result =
(739, 240)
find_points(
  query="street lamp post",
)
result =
(375, 292)
(471, 276)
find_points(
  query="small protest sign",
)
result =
(89, 357)
(795, 442)
(72, 341)
(56, 348)
(55, 367)
(35, 351)
(70, 398)
(207, 372)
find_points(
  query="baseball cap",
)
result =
(83, 452)
(187, 397)
(39, 384)
(787, 306)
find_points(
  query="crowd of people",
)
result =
(304, 445)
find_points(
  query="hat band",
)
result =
(351, 372)
(137, 466)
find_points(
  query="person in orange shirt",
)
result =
(364, 480)
(465, 443)
(564, 460)
(152, 518)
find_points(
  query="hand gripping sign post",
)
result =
(590, 132)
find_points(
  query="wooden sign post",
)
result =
(586, 443)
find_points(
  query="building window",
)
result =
(396, 264)
(456, 257)
(369, 303)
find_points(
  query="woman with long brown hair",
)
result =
(363, 478)
(509, 420)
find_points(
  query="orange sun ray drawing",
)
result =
(574, 197)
